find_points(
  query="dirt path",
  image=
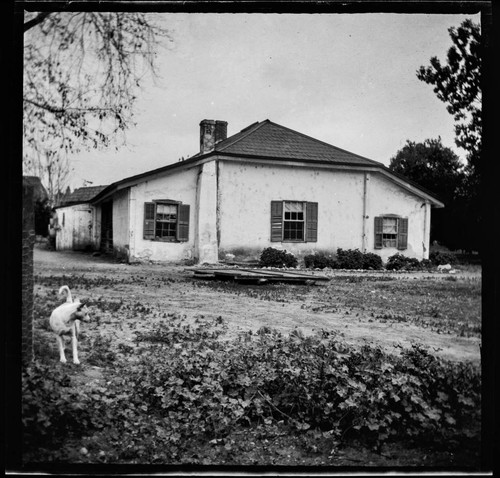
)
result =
(171, 289)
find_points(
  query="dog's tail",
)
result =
(65, 288)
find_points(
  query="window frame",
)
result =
(309, 221)
(170, 238)
(295, 221)
(400, 237)
(181, 209)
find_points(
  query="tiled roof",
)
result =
(271, 140)
(268, 140)
(81, 195)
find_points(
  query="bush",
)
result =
(319, 261)
(372, 261)
(50, 406)
(271, 257)
(399, 262)
(346, 259)
(355, 259)
(349, 259)
(426, 264)
(439, 258)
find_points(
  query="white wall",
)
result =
(121, 223)
(385, 197)
(177, 186)
(64, 234)
(96, 227)
(206, 240)
(230, 207)
(76, 224)
(246, 192)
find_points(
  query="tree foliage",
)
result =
(431, 165)
(458, 84)
(438, 169)
(82, 71)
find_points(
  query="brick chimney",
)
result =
(211, 132)
(220, 131)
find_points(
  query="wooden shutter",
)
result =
(379, 228)
(276, 221)
(149, 220)
(311, 222)
(183, 223)
(402, 233)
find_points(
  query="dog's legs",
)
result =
(60, 343)
(74, 343)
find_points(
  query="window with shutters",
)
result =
(166, 221)
(294, 221)
(391, 231)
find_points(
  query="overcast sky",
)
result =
(346, 79)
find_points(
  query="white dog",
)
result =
(65, 320)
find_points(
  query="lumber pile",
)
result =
(258, 276)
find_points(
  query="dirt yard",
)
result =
(392, 310)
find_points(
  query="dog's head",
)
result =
(81, 312)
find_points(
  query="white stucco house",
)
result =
(75, 220)
(266, 186)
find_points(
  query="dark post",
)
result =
(28, 242)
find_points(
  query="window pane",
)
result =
(293, 225)
(166, 221)
(294, 206)
(166, 212)
(166, 208)
(390, 225)
(165, 229)
(389, 240)
(293, 231)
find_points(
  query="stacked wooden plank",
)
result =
(257, 276)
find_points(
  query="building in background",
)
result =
(74, 220)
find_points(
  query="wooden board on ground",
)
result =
(258, 276)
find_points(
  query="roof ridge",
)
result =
(91, 187)
(248, 130)
(324, 143)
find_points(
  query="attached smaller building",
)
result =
(77, 225)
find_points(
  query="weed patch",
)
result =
(187, 386)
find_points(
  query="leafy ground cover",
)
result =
(180, 371)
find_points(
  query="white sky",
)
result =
(346, 79)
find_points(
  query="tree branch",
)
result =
(36, 21)
(53, 109)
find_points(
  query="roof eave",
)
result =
(132, 180)
(375, 166)
(200, 158)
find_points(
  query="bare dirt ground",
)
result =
(385, 309)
